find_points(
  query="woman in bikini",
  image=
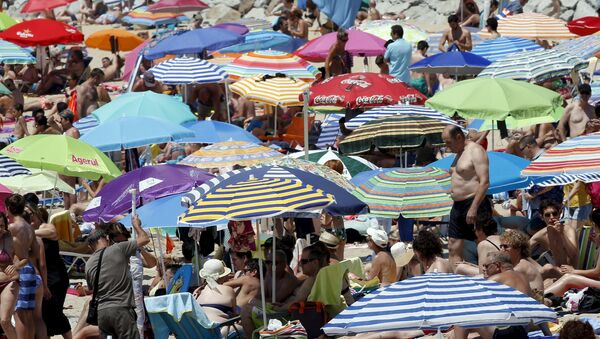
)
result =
(487, 241)
(338, 61)
(8, 283)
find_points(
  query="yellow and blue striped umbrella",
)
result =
(254, 199)
(271, 90)
(230, 153)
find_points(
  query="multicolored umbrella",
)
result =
(138, 17)
(109, 39)
(13, 54)
(151, 182)
(230, 153)
(498, 48)
(235, 28)
(579, 155)
(438, 301)
(63, 155)
(37, 181)
(532, 26)
(6, 21)
(496, 99)
(457, 63)
(271, 90)
(382, 29)
(565, 179)
(315, 168)
(352, 164)
(264, 40)
(146, 104)
(11, 168)
(255, 199)
(177, 6)
(358, 44)
(394, 133)
(584, 47)
(584, 26)
(393, 110)
(537, 66)
(131, 132)
(270, 62)
(254, 24)
(35, 6)
(417, 192)
(357, 90)
(41, 32)
(186, 70)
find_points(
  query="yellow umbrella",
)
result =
(532, 26)
(270, 90)
(230, 153)
(121, 39)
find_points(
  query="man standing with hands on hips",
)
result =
(470, 182)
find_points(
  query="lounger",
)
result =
(77, 257)
(179, 314)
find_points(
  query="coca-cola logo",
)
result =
(410, 98)
(355, 82)
(374, 100)
(328, 99)
(393, 80)
(25, 34)
(70, 30)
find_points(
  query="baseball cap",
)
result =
(149, 80)
(378, 236)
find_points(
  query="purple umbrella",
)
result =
(359, 44)
(151, 182)
(233, 27)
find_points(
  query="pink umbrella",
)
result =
(131, 58)
(4, 193)
(177, 6)
(359, 44)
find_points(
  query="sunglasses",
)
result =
(306, 261)
(504, 246)
(551, 214)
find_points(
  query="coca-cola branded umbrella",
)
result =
(41, 32)
(357, 90)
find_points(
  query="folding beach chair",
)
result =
(179, 314)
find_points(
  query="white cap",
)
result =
(378, 236)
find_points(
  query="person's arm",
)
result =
(43, 267)
(562, 124)
(142, 238)
(576, 187)
(235, 283)
(328, 60)
(47, 231)
(82, 96)
(23, 125)
(468, 44)
(442, 44)
(481, 164)
(302, 295)
(375, 269)
(148, 260)
(593, 273)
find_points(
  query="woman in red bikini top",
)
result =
(8, 296)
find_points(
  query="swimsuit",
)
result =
(29, 281)
(222, 308)
(5, 259)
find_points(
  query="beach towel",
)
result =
(28, 284)
(588, 251)
(328, 284)
(64, 226)
(8, 126)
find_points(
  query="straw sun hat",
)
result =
(212, 270)
(402, 253)
(330, 240)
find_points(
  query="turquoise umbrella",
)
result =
(145, 104)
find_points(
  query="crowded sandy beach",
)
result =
(299, 169)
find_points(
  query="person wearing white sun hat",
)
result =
(402, 254)
(217, 300)
(383, 265)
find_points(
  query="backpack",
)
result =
(593, 189)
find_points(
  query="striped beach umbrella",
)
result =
(575, 156)
(393, 110)
(270, 62)
(437, 301)
(254, 24)
(330, 130)
(153, 19)
(532, 26)
(394, 133)
(186, 70)
(264, 40)
(537, 66)
(416, 192)
(352, 164)
(86, 124)
(496, 49)
(271, 90)
(230, 153)
(382, 29)
(565, 179)
(255, 199)
(11, 168)
(584, 47)
(13, 54)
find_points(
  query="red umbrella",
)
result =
(584, 26)
(363, 90)
(177, 6)
(34, 6)
(41, 32)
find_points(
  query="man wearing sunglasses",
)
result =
(516, 245)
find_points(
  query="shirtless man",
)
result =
(470, 182)
(26, 250)
(298, 28)
(456, 35)
(516, 244)
(243, 109)
(209, 97)
(147, 82)
(247, 285)
(112, 68)
(421, 81)
(577, 114)
(87, 93)
(57, 78)
(383, 265)
(337, 61)
(21, 129)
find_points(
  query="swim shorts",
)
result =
(458, 227)
(29, 281)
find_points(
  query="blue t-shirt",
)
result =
(514, 7)
(399, 54)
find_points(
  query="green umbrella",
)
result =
(38, 181)
(352, 164)
(62, 154)
(4, 90)
(6, 21)
(512, 123)
(496, 99)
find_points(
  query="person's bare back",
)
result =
(24, 242)
(248, 289)
(87, 98)
(514, 279)
(384, 267)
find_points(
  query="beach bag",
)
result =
(312, 316)
(92, 317)
(593, 189)
(292, 329)
(590, 302)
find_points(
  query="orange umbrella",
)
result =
(113, 39)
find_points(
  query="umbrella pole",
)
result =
(492, 135)
(161, 257)
(274, 259)
(136, 261)
(262, 277)
(275, 123)
(133, 74)
(227, 100)
(305, 118)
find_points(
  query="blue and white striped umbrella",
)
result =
(330, 129)
(437, 301)
(565, 179)
(584, 47)
(538, 66)
(386, 111)
(496, 49)
(13, 54)
(186, 70)
(10, 168)
(86, 124)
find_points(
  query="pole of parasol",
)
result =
(274, 260)
(262, 278)
(227, 95)
(138, 267)
(133, 74)
(305, 118)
